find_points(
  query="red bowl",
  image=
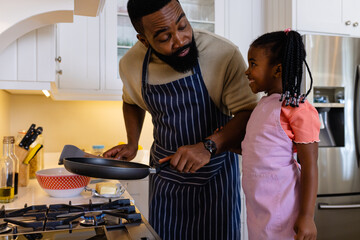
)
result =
(58, 182)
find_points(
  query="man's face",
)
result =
(169, 34)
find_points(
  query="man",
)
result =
(191, 82)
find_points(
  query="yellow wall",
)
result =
(80, 123)
(4, 115)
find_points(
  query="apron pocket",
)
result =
(263, 200)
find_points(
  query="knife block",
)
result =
(24, 169)
(24, 174)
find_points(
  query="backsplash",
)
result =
(4, 115)
(80, 123)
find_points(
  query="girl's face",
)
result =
(262, 76)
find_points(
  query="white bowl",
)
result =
(58, 182)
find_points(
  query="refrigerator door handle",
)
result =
(357, 113)
(342, 206)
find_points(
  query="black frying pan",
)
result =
(109, 168)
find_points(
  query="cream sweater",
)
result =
(222, 67)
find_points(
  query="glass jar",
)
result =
(98, 150)
(7, 171)
(20, 136)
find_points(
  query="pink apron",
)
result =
(271, 176)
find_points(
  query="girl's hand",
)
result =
(305, 228)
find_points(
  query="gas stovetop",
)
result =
(117, 219)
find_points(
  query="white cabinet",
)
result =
(335, 17)
(352, 16)
(88, 66)
(91, 48)
(79, 49)
(320, 16)
(29, 62)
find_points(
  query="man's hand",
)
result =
(122, 152)
(189, 158)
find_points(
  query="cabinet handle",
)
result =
(347, 23)
(59, 72)
(355, 24)
(58, 59)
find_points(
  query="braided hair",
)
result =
(287, 48)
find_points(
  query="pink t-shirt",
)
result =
(301, 123)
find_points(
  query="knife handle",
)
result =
(33, 137)
(32, 153)
(27, 135)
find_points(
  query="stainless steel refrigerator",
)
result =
(335, 66)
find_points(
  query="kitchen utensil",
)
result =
(27, 135)
(21, 151)
(32, 153)
(58, 182)
(110, 168)
(70, 151)
(33, 137)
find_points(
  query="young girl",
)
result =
(280, 199)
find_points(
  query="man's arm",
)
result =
(134, 119)
(232, 134)
(190, 158)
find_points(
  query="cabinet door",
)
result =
(110, 20)
(79, 49)
(29, 62)
(201, 14)
(323, 16)
(352, 16)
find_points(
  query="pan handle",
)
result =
(159, 168)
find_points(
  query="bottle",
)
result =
(16, 166)
(7, 172)
(98, 149)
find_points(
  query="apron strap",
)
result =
(144, 67)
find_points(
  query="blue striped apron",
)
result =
(201, 205)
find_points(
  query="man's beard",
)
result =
(181, 64)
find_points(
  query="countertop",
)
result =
(33, 194)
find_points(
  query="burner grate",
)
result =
(112, 215)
